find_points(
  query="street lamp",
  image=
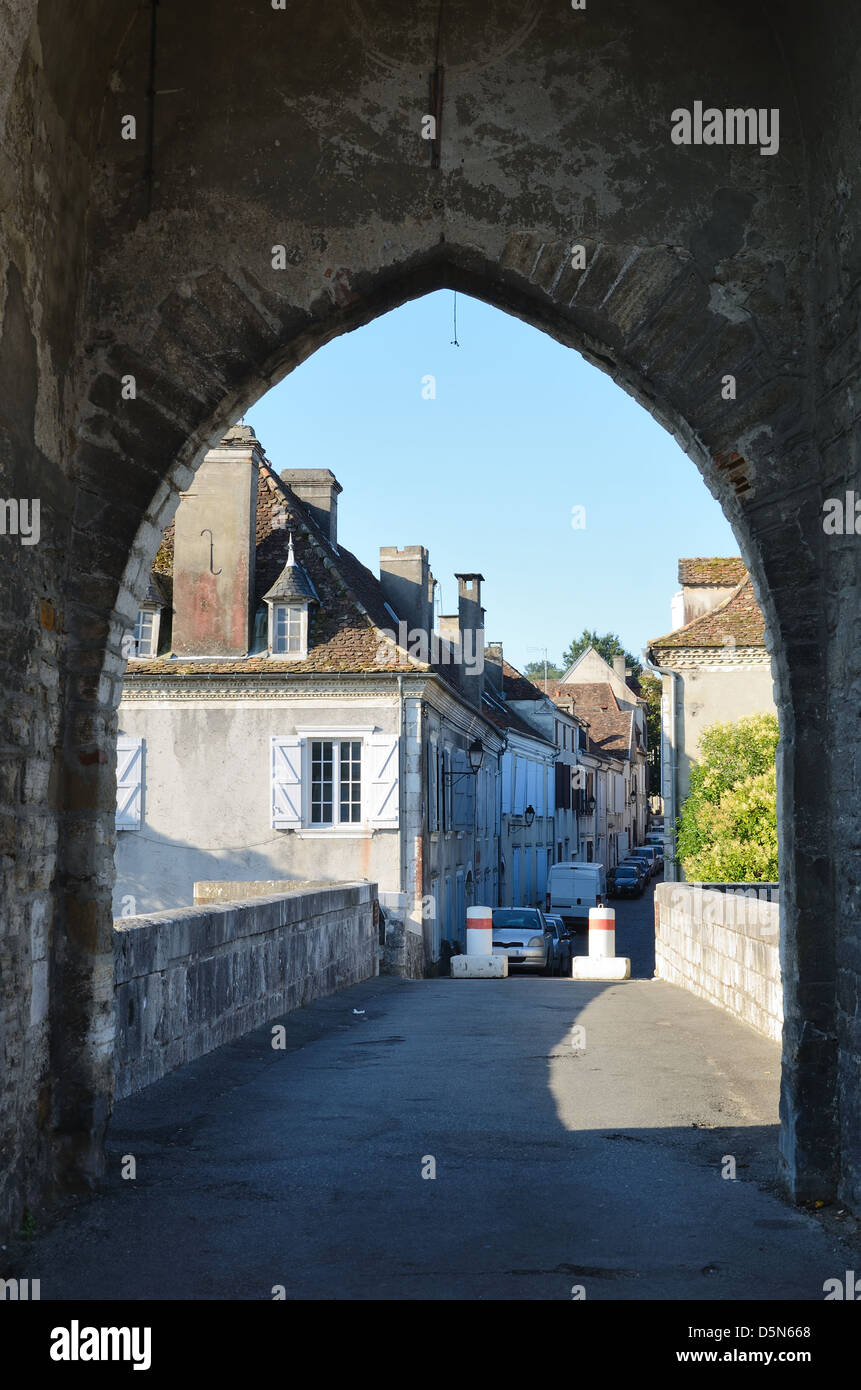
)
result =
(529, 815)
(475, 752)
(590, 804)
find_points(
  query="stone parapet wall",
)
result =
(190, 979)
(723, 946)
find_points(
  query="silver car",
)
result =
(561, 944)
(522, 934)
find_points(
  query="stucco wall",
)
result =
(206, 802)
(722, 946)
(718, 695)
(189, 980)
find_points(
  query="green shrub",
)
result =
(727, 830)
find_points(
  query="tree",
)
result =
(534, 671)
(607, 646)
(650, 690)
(727, 830)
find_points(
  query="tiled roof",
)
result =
(594, 702)
(341, 636)
(518, 687)
(499, 714)
(737, 622)
(712, 570)
(609, 726)
(554, 689)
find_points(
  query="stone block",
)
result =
(479, 967)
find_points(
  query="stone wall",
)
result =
(723, 946)
(191, 979)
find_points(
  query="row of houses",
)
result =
(289, 715)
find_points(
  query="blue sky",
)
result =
(486, 474)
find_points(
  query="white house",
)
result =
(274, 726)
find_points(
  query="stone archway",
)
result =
(152, 259)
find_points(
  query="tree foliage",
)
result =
(650, 690)
(607, 646)
(727, 830)
(534, 670)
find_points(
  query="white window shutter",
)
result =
(129, 782)
(384, 781)
(286, 782)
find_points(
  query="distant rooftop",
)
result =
(712, 570)
(738, 621)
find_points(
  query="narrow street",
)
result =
(555, 1166)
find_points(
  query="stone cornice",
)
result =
(727, 658)
(300, 687)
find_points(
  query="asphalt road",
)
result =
(557, 1166)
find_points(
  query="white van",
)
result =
(573, 888)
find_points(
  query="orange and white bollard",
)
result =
(479, 962)
(602, 963)
(602, 931)
(479, 931)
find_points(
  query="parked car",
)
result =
(563, 948)
(655, 837)
(641, 867)
(659, 854)
(625, 882)
(651, 854)
(522, 934)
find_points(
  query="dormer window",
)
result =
(146, 632)
(289, 629)
(142, 640)
(288, 602)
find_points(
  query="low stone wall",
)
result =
(722, 944)
(189, 979)
(227, 890)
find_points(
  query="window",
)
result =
(325, 783)
(336, 781)
(289, 629)
(146, 632)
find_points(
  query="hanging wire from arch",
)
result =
(454, 341)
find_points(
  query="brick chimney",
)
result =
(406, 582)
(619, 665)
(214, 551)
(471, 622)
(318, 488)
